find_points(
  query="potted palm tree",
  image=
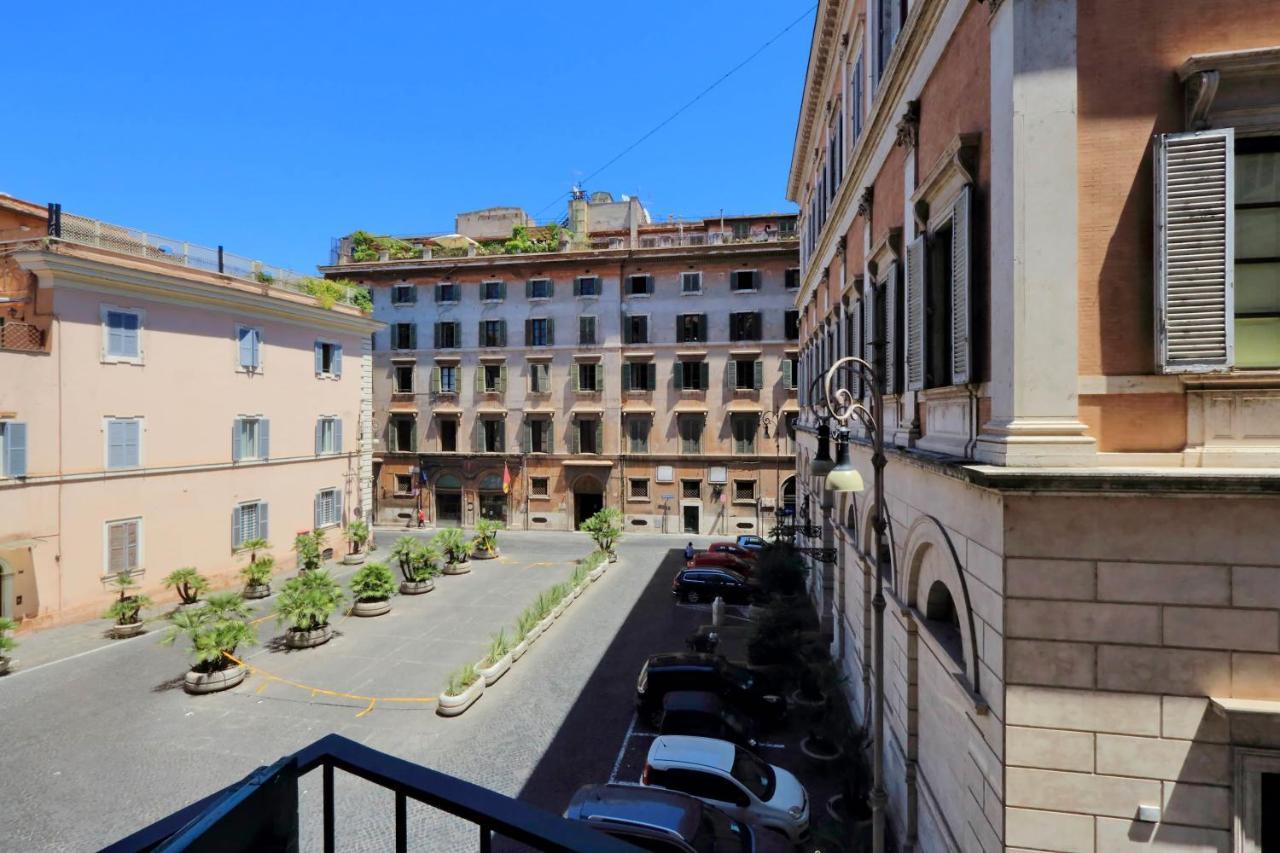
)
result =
(257, 577)
(126, 610)
(605, 529)
(188, 582)
(305, 604)
(455, 548)
(464, 688)
(7, 643)
(372, 588)
(498, 659)
(214, 630)
(402, 552)
(420, 568)
(484, 545)
(307, 546)
(357, 537)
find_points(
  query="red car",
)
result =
(721, 561)
(735, 549)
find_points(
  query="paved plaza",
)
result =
(101, 739)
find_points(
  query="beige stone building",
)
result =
(619, 362)
(1052, 226)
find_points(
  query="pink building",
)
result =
(155, 412)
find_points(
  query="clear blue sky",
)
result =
(270, 129)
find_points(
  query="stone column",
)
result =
(1033, 226)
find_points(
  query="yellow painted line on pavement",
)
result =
(324, 691)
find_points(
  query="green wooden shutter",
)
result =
(551, 331)
(576, 378)
(758, 375)
(788, 379)
(600, 435)
(704, 375)
(651, 371)
(677, 374)
(914, 324)
(502, 379)
(626, 376)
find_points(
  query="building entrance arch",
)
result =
(448, 491)
(588, 498)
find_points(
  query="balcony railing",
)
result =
(72, 228)
(261, 811)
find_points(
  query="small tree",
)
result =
(127, 608)
(452, 544)
(307, 547)
(307, 601)
(424, 562)
(604, 528)
(253, 546)
(7, 643)
(486, 538)
(258, 572)
(357, 535)
(402, 552)
(215, 631)
(188, 582)
(374, 582)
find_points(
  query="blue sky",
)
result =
(271, 127)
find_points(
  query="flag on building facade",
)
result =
(506, 479)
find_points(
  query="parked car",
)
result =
(752, 543)
(731, 779)
(663, 820)
(733, 548)
(746, 568)
(705, 584)
(744, 688)
(702, 713)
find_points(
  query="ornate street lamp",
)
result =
(842, 406)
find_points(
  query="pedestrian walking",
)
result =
(422, 518)
(688, 552)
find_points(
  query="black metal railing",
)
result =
(260, 811)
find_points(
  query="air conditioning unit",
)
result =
(717, 475)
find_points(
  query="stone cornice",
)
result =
(821, 47)
(82, 271)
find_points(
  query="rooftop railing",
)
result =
(261, 811)
(82, 230)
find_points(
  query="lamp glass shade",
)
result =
(844, 478)
(821, 467)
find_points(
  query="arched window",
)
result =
(491, 483)
(943, 621)
(851, 518)
(448, 482)
(789, 494)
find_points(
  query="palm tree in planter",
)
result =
(253, 546)
(257, 577)
(305, 603)
(307, 547)
(372, 588)
(126, 610)
(464, 688)
(357, 536)
(484, 545)
(497, 660)
(188, 582)
(7, 643)
(455, 548)
(215, 630)
(402, 552)
(605, 529)
(419, 568)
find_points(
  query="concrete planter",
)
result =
(797, 697)
(546, 624)
(199, 683)
(5, 663)
(123, 632)
(560, 608)
(451, 706)
(519, 650)
(417, 587)
(577, 591)
(295, 639)
(613, 557)
(457, 568)
(534, 634)
(597, 573)
(353, 559)
(255, 591)
(821, 753)
(486, 555)
(371, 608)
(490, 674)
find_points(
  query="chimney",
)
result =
(633, 219)
(579, 223)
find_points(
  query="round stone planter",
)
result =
(597, 573)
(457, 568)
(613, 557)
(822, 753)
(519, 650)
(486, 555)
(451, 706)
(5, 663)
(545, 624)
(534, 634)
(797, 697)
(353, 559)
(211, 682)
(577, 591)
(417, 587)
(559, 609)
(490, 674)
(256, 590)
(123, 632)
(296, 639)
(371, 608)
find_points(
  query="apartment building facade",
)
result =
(1050, 226)
(156, 413)
(644, 367)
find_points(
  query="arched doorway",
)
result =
(448, 501)
(588, 499)
(493, 501)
